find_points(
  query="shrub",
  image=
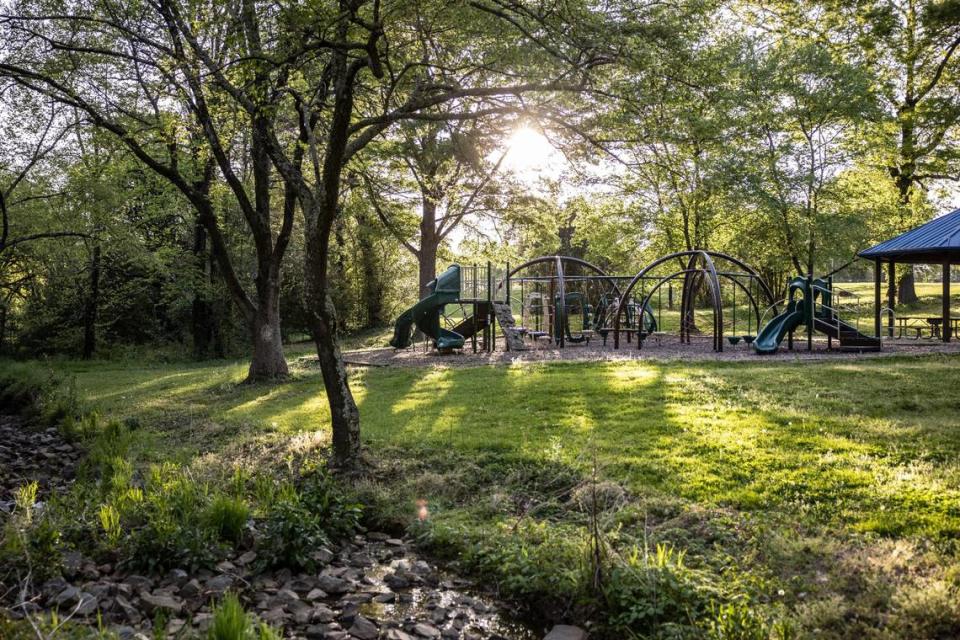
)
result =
(648, 590)
(232, 622)
(298, 521)
(31, 543)
(227, 516)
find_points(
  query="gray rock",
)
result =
(323, 613)
(153, 602)
(316, 594)
(139, 583)
(219, 584)
(364, 629)
(333, 584)
(191, 589)
(426, 630)
(301, 611)
(386, 598)
(247, 558)
(68, 596)
(322, 555)
(566, 632)
(397, 634)
(131, 613)
(124, 632)
(86, 605)
(396, 581)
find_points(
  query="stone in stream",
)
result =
(426, 630)
(333, 584)
(153, 602)
(191, 589)
(323, 613)
(566, 632)
(364, 629)
(316, 594)
(219, 584)
(397, 634)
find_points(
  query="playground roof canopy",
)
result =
(936, 242)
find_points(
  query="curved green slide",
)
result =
(773, 332)
(426, 314)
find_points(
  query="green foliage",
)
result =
(301, 519)
(232, 622)
(30, 543)
(655, 590)
(228, 516)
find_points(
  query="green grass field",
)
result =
(825, 494)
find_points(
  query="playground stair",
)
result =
(505, 317)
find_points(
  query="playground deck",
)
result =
(664, 348)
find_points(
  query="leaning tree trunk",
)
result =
(324, 326)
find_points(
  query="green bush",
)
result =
(232, 622)
(37, 393)
(31, 543)
(227, 516)
(647, 590)
(298, 521)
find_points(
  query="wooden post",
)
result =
(945, 329)
(877, 272)
(891, 296)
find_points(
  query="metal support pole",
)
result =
(877, 273)
(891, 293)
(945, 330)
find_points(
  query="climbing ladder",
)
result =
(505, 317)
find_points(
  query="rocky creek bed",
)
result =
(373, 586)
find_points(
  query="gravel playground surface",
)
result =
(657, 349)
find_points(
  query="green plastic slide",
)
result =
(426, 314)
(774, 331)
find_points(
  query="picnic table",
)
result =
(934, 323)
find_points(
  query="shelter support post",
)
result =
(945, 328)
(877, 273)
(891, 296)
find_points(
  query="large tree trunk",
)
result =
(429, 243)
(268, 361)
(906, 288)
(90, 306)
(201, 310)
(344, 415)
(372, 280)
(3, 325)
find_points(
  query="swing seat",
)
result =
(749, 339)
(734, 340)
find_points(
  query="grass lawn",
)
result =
(823, 494)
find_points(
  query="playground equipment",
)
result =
(699, 270)
(477, 316)
(565, 300)
(817, 310)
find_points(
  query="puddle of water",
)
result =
(415, 604)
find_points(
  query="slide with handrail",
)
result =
(823, 316)
(426, 314)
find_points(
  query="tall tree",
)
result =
(911, 49)
(129, 74)
(442, 170)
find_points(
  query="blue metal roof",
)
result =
(939, 237)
